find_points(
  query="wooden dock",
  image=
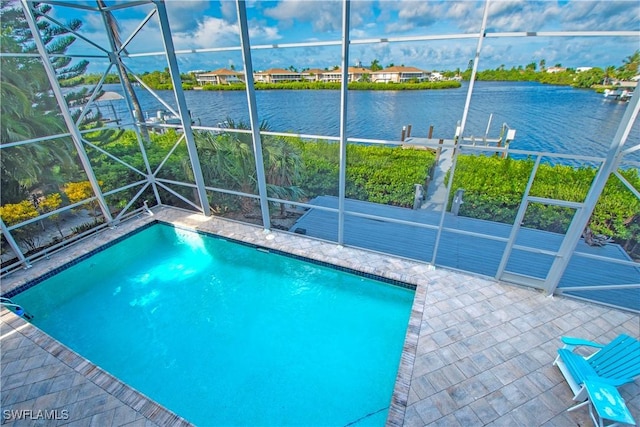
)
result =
(470, 253)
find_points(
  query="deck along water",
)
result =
(469, 253)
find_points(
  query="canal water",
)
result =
(558, 119)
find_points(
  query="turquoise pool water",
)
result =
(226, 334)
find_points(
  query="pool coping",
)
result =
(128, 395)
(379, 266)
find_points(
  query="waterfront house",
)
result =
(276, 75)
(221, 76)
(556, 69)
(355, 74)
(399, 74)
(313, 74)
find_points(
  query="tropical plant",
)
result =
(29, 109)
(630, 66)
(80, 191)
(16, 213)
(50, 203)
(282, 169)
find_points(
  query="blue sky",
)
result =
(204, 24)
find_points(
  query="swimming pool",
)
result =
(228, 334)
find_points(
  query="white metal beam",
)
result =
(64, 110)
(116, 60)
(581, 219)
(182, 106)
(253, 112)
(344, 92)
(459, 131)
(14, 246)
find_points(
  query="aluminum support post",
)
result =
(474, 70)
(253, 112)
(515, 228)
(344, 92)
(16, 249)
(582, 216)
(460, 129)
(183, 111)
(116, 60)
(64, 111)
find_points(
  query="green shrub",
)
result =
(494, 188)
(379, 174)
(311, 85)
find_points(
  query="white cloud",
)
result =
(324, 16)
(209, 32)
(204, 24)
(259, 32)
(601, 15)
(228, 10)
(184, 15)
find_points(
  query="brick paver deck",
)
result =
(477, 352)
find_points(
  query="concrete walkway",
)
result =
(437, 191)
(477, 352)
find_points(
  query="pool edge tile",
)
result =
(106, 382)
(400, 272)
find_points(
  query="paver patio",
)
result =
(477, 352)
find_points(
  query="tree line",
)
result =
(535, 72)
(538, 72)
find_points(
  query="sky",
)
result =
(207, 24)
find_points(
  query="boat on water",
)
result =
(163, 117)
(618, 94)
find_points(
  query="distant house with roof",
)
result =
(312, 75)
(276, 75)
(399, 74)
(354, 74)
(220, 77)
(556, 70)
(395, 74)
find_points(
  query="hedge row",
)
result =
(494, 188)
(447, 84)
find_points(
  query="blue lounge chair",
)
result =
(615, 364)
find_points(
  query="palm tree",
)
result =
(283, 167)
(126, 81)
(543, 64)
(28, 108)
(228, 161)
(630, 66)
(609, 73)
